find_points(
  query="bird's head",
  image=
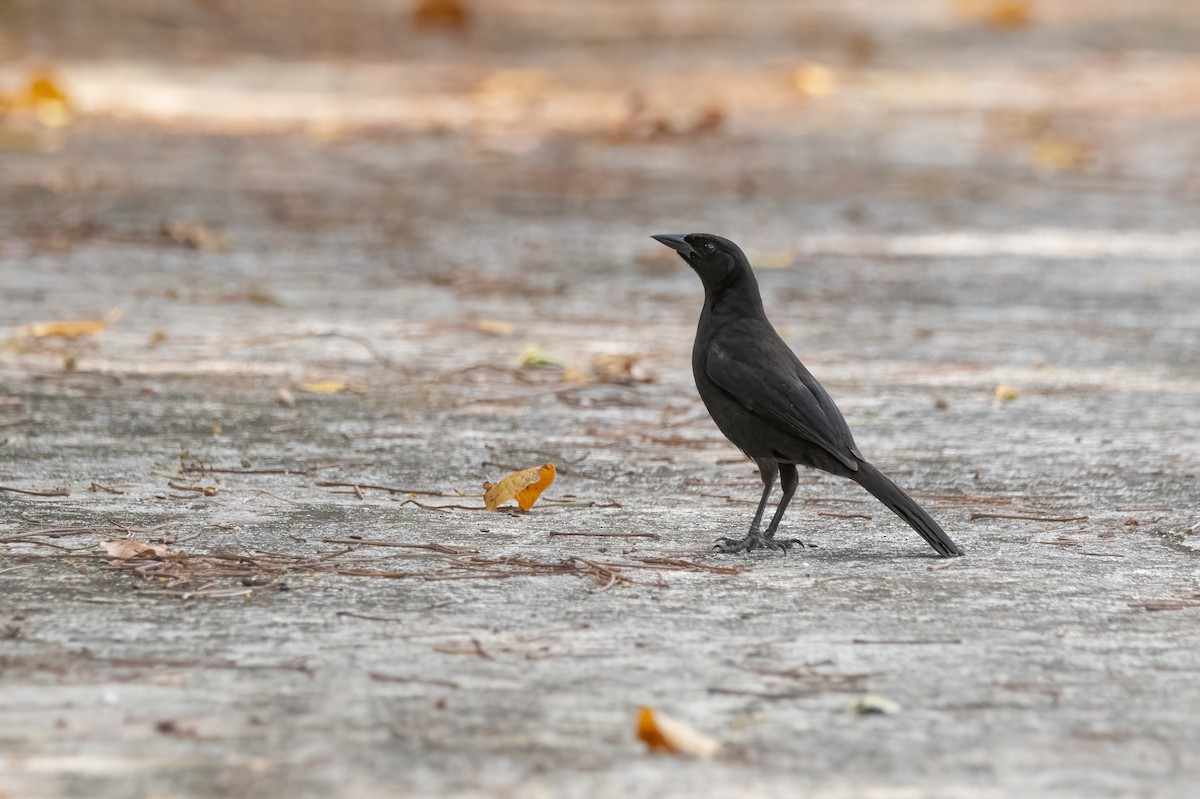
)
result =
(718, 261)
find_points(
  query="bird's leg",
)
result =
(788, 480)
(768, 469)
(754, 539)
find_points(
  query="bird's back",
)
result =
(764, 399)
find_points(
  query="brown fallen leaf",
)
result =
(524, 486)
(573, 374)
(493, 327)
(645, 122)
(195, 236)
(620, 368)
(125, 548)
(69, 328)
(446, 14)
(661, 733)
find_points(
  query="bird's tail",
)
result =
(905, 507)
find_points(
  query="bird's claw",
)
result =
(755, 540)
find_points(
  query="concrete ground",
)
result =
(330, 245)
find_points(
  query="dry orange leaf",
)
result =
(997, 13)
(69, 328)
(662, 733)
(125, 548)
(524, 486)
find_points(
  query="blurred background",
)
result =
(433, 155)
(486, 128)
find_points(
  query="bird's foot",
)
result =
(756, 540)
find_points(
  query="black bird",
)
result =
(765, 401)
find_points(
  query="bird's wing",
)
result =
(759, 371)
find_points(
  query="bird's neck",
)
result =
(735, 296)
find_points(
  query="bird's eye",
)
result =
(709, 246)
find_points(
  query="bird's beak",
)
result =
(676, 243)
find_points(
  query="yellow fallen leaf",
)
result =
(1006, 393)
(493, 327)
(661, 733)
(125, 548)
(69, 328)
(1051, 152)
(48, 101)
(524, 486)
(41, 97)
(875, 705)
(533, 357)
(327, 387)
(813, 80)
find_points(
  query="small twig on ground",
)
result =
(913, 642)
(281, 499)
(681, 565)
(476, 648)
(49, 532)
(208, 491)
(389, 489)
(723, 691)
(975, 516)
(202, 469)
(61, 492)
(440, 508)
(352, 615)
(655, 536)
(844, 515)
(1167, 605)
(153, 662)
(439, 548)
(380, 677)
